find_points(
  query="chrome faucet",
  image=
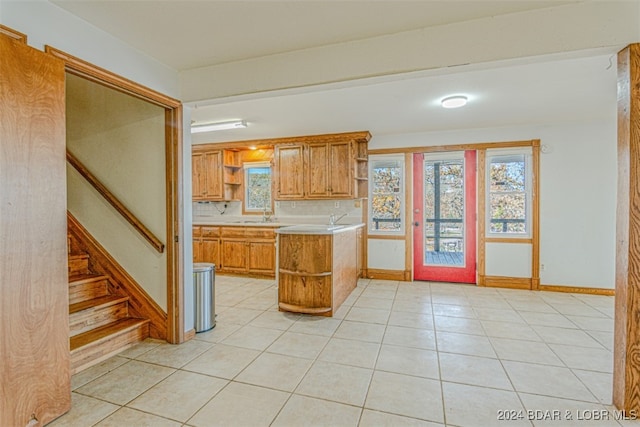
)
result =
(265, 217)
(334, 220)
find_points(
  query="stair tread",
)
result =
(102, 301)
(78, 256)
(86, 278)
(105, 332)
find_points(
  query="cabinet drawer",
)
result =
(197, 231)
(232, 231)
(210, 231)
(260, 233)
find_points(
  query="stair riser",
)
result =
(86, 291)
(92, 354)
(78, 266)
(95, 317)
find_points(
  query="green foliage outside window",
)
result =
(507, 194)
(386, 198)
(258, 188)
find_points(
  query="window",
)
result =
(386, 210)
(257, 178)
(509, 195)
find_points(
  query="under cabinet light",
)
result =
(210, 127)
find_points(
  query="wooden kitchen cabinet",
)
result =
(330, 171)
(248, 250)
(207, 175)
(206, 245)
(321, 169)
(289, 171)
(316, 272)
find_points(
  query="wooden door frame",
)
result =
(494, 281)
(173, 174)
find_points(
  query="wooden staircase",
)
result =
(100, 320)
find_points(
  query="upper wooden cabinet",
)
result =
(330, 171)
(216, 175)
(289, 168)
(207, 175)
(325, 167)
(331, 166)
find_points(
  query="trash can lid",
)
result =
(200, 267)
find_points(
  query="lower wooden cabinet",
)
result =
(206, 245)
(237, 250)
(234, 255)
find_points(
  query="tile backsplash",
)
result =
(313, 209)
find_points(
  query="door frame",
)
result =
(481, 147)
(173, 176)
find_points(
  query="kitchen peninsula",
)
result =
(318, 267)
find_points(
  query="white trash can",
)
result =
(204, 296)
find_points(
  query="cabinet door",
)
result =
(289, 160)
(197, 249)
(211, 251)
(213, 166)
(34, 286)
(198, 176)
(234, 255)
(317, 172)
(340, 169)
(262, 257)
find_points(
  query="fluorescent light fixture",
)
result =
(455, 101)
(210, 127)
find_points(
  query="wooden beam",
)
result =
(626, 352)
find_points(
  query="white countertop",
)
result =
(318, 228)
(275, 222)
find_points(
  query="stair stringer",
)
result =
(120, 283)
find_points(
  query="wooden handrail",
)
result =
(117, 204)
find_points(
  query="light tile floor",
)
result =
(395, 354)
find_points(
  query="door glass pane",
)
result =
(444, 212)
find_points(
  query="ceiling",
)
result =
(186, 34)
(529, 91)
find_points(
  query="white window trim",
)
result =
(403, 199)
(528, 168)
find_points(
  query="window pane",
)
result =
(386, 200)
(508, 195)
(508, 209)
(387, 179)
(507, 174)
(258, 188)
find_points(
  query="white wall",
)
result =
(578, 174)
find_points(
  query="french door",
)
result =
(444, 216)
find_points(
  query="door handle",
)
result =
(416, 223)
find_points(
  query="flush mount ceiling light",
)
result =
(455, 101)
(210, 127)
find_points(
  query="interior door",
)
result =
(34, 287)
(444, 218)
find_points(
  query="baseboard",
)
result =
(531, 284)
(380, 274)
(578, 290)
(190, 334)
(505, 282)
